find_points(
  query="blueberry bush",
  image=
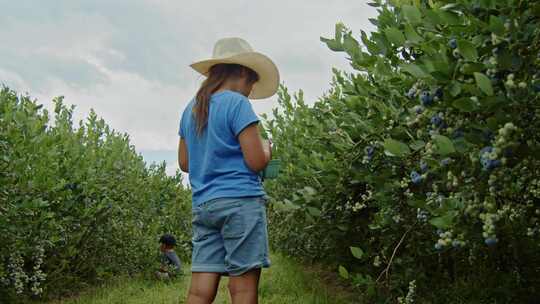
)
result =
(77, 204)
(418, 175)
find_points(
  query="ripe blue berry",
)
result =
(491, 241)
(415, 177)
(452, 43)
(426, 98)
(369, 151)
(445, 162)
(423, 166)
(494, 163)
(436, 120)
(457, 134)
(486, 162)
(438, 246)
(536, 87)
(485, 150)
(456, 244)
(439, 93)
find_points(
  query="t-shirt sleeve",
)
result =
(242, 115)
(181, 127)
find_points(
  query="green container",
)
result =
(271, 170)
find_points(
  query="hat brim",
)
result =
(266, 69)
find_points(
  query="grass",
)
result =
(285, 282)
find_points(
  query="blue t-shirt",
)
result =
(216, 164)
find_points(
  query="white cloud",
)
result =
(129, 59)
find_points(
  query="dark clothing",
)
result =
(171, 262)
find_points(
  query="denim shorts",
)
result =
(230, 235)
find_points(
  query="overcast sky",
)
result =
(129, 59)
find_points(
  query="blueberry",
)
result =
(536, 87)
(456, 244)
(426, 98)
(411, 93)
(485, 163)
(452, 43)
(436, 120)
(438, 246)
(457, 134)
(415, 177)
(445, 162)
(439, 93)
(423, 166)
(488, 135)
(489, 164)
(418, 109)
(494, 163)
(485, 150)
(369, 151)
(491, 241)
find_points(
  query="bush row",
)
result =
(77, 204)
(419, 173)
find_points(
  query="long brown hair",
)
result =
(217, 76)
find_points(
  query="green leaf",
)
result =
(342, 227)
(396, 148)
(332, 44)
(444, 145)
(411, 34)
(395, 36)
(314, 211)
(496, 25)
(343, 272)
(357, 252)
(470, 68)
(417, 145)
(465, 104)
(454, 88)
(443, 222)
(467, 50)
(414, 70)
(484, 83)
(412, 13)
(309, 190)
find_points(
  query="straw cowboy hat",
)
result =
(238, 51)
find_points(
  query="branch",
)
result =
(387, 269)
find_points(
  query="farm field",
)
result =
(285, 282)
(413, 179)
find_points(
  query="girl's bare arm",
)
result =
(257, 153)
(183, 156)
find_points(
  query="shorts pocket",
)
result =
(199, 229)
(234, 226)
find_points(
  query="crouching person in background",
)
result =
(170, 263)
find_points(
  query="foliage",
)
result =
(285, 282)
(77, 204)
(421, 170)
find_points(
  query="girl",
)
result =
(222, 150)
